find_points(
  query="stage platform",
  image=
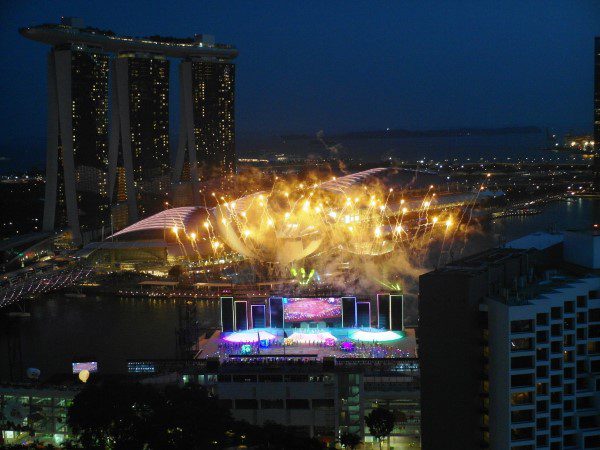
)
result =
(313, 343)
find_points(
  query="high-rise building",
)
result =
(82, 166)
(509, 348)
(77, 146)
(140, 132)
(596, 165)
(207, 132)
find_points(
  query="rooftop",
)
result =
(107, 40)
(539, 241)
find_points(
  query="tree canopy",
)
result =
(380, 422)
(133, 416)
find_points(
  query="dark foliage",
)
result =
(134, 416)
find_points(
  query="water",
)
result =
(108, 330)
(112, 330)
(508, 147)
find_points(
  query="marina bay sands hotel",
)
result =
(107, 156)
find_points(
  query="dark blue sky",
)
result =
(345, 65)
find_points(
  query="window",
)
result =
(541, 388)
(244, 378)
(542, 423)
(323, 403)
(521, 398)
(525, 415)
(570, 307)
(556, 313)
(569, 340)
(556, 330)
(271, 403)
(521, 362)
(521, 344)
(521, 380)
(556, 347)
(542, 319)
(555, 364)
(541, 337)
(246, 403)
(542, 406)
(520, 434)
(521, 326)
(556, 381)
(541, 440)
(297, 404)
(542, 371)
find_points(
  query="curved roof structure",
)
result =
(342, 183)
(167, 219)
(257, 229)
(55, 34)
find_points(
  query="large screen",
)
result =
(91, 366)
(311, 309)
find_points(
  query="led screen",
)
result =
(311, 309)
(91, 366)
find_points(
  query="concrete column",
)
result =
(122, 83)
(187, 136)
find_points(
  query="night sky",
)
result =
(342, 66)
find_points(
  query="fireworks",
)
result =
(348, 220)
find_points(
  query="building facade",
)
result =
(322, 398)
(509, 351)
(139, 145)
(77, 148)
(596, 164)
(207, 132)
(85, 174)
(37, 411)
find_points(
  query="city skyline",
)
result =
(550, 56)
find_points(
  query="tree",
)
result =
(134, 416)
(350, 440)
(381, 423)
(113, 415)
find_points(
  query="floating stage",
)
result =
(313, 343)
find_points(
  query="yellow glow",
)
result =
(404, 210)
(175, 230)
(448, 223)
(193, 236)
(435, 220)
(246, 232)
